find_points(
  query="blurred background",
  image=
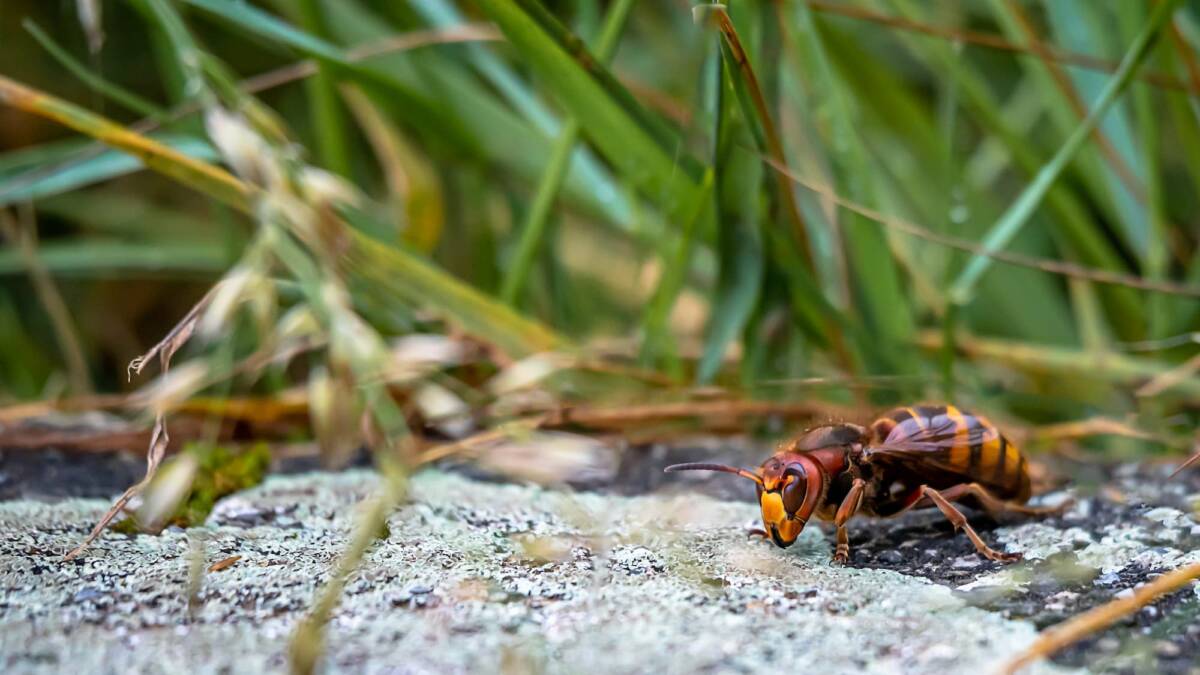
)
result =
(481, 210)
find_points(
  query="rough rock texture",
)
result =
(473, 577)
(481, 577)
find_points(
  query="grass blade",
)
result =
(445, 102)
(738, 176)
(203, 177)
(593, 176)
(414, 186)
(534, 228)
(111, 259)
(329, 119)
(387, 267)
(638, 145)
(113, 92)
(754, 103)
(1022, 209)
(416, 105)
(20, 186)
(22, 234)
(1069, 225)
(877, 293)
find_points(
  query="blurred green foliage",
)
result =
(631, 205)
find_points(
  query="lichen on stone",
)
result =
(653, 583)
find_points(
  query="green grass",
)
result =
(596, 173)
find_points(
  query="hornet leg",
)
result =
(845, 511)
(959, 521)
(996, 506)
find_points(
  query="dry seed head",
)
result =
(522, 402)
(336, 298)
(444, 410)
(233, 290)
(246, 152)
(175, 386)
(353, 342)
(167, 491)
(297, 323)
(333, 410)
(550, 458)
(528, 372)
(415, 356)
(264, 303)
(322, 187)
(92, 23)
(290, 213)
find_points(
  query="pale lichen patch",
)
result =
(470, 579)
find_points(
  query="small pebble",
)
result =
(1044, 585)
(88, 594)
(1167, 649)
(891, 557)
(938, 652)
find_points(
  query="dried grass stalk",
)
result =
(1078, 627)
(159, 438)
(154, 456)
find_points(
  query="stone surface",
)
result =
(473, 577)
(485, 577)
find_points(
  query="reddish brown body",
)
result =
(914, 457)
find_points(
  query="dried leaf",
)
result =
(322, 187)
(176, 339)
(224, 564)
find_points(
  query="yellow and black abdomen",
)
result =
(956, 441)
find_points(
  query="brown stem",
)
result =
(1078, 627)
(992, 41)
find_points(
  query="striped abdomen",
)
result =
(957, 441)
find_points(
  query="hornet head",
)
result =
(790, 486)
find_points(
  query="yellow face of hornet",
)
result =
(776, 522)
(782, 499)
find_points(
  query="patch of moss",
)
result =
(221, 471)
